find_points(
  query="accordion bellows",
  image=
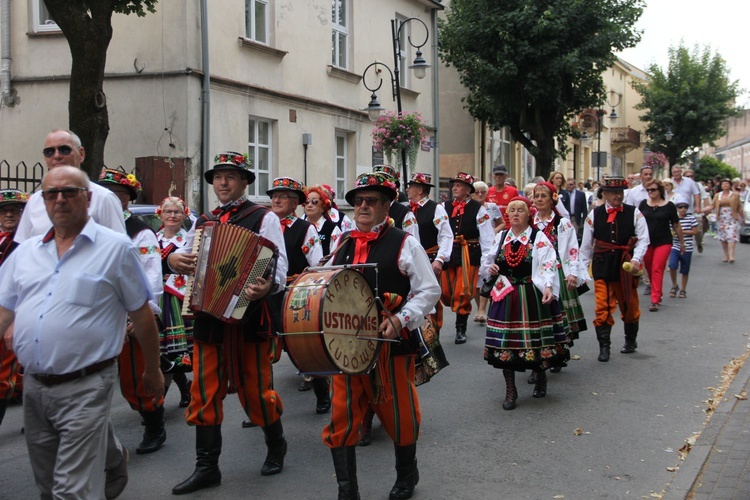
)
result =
(229, 258)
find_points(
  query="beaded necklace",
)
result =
(514, 258)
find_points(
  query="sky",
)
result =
(719, 24)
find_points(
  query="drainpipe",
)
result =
(8, 94)
(206, 101)
(436, 105)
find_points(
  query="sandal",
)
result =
(683, 294)
(653, 307)
(673, 291)
(480, 318)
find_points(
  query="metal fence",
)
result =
(23, 177)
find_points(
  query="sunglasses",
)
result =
(67, 193)
(367, 200)
(312, 202)
(651, 190)
(11, 210)
(681, 206)
(50, 152)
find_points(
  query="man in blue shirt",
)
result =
(70, 309)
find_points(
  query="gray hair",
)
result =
(76, 140)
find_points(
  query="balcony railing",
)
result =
(625, 139)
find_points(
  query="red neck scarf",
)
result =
(362, 244)
(285, 223)
(223, 214)
(612, 213)
(458, 208)
(414, 206)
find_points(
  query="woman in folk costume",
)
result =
(525, 328)
(177, 335)
(561, 233)
(318, 209)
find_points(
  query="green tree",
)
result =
(692, 99)
(530, 65)
(87, 25)
(709, 167)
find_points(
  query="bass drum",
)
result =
(323, 311)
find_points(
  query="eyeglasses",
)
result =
(312, 201)
(368, 200)
(11, 210)
(651, 190)
(171, 212)
(50, 152)
(278, 196)
(71, 192)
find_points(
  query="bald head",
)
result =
(63, 147)
(66, 194)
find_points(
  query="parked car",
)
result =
(147, 213)
(745, 225)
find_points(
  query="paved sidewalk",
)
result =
(718, 466)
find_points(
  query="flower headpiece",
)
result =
(8, 196)
(288, 184)
(614, 183)
(109, 176)
(172, 200)
(374, 182)
(231, 160)
(420, 178)
(466, 179)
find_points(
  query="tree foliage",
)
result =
(530, 65)
(709, 167)
(87, 25)
(692, 99)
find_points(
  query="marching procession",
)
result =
(355, 303)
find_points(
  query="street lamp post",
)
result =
(419, 66)
(599, 157)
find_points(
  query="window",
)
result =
(341, 162)
(42, 21)
(259, 154)
(501, 148)
(403, 56)
(256, 20)
(340, 34)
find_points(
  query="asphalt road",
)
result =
(633, 413)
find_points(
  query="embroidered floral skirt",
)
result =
(523, 333)
(176, 339)
(574, 320)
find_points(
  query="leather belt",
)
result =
(49, 380)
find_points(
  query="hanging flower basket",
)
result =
(393, 133)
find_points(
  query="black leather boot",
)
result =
(276, 449)
(540, 388)
(407, 474)
(320, 387)
(208, 449)
(511, 392)
(184, 385)
(154, 435)
(631, 332)
(602, 335)
(3, 407)
(461, 321)
(345, 464)
(365, 429)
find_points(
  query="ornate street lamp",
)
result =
(419, 66)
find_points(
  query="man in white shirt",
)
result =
(687, 188)
(70, 292)
(63, 147)
(637, 194)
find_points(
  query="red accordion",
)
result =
(229, 258)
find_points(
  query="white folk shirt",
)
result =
(176, 284)
(311, 247)
(425, 289)
(445, 233)
(486, 235)
(587, 244)
(543, 258)
(71, 312)
(410, 224)
(150, 256)
(334, 234)
(567, 247)
(105, 209)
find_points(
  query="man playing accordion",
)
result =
(234, 357)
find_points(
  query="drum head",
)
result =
(338, 304)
